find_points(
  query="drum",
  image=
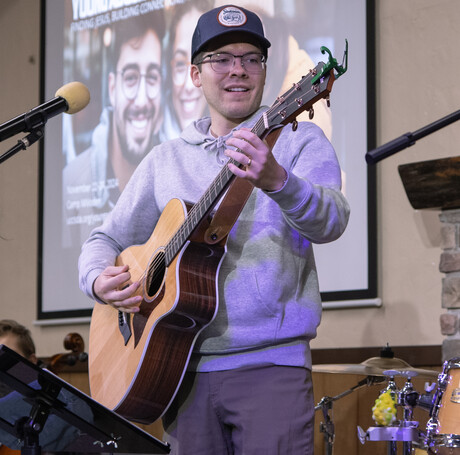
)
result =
(443, 427)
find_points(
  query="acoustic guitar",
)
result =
(137, 361)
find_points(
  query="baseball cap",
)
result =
(225, 20)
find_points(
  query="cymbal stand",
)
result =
(328, 427)
(326, 405)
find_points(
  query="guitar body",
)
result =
(138, 377)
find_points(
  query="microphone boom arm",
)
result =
(22, 144)
(408, 139)
(33, 119)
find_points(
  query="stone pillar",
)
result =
(450, 266)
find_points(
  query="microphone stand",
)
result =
(408, 139)
(35, 134)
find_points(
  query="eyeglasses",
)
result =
(179, 70)
(223, 62)
(131, 80)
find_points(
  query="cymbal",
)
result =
(375, 366)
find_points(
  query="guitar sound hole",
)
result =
(156, 273)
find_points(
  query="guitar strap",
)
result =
(233, 202)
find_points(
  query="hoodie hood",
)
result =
(199, 133)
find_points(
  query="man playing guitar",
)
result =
(247, 388)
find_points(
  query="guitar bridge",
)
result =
(123, 325)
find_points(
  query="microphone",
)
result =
(390, 148)
(70, 98)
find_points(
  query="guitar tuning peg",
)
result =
(311, 113)
(328, 101)
(295, 124)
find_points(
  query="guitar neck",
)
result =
(196, 214)
(206, 203)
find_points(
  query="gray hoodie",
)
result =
(269, 300)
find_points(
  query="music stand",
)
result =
(41, 411)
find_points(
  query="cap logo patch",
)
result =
(231, 17)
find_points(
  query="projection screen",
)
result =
(79, 185)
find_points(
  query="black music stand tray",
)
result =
(38, 410)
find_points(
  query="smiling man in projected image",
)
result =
(184, 102)
(127, 131)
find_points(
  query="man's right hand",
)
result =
(114, 287)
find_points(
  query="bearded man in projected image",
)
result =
(127, 131)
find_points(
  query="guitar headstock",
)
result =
(316, 85)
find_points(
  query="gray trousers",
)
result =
(266, 410)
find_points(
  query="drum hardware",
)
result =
(382, 368)
(443, 427)
(425, 401)
(407, 397)
(325, 404)
(405, 430)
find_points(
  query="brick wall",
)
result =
(450, 266)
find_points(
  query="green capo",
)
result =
(332, 64)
